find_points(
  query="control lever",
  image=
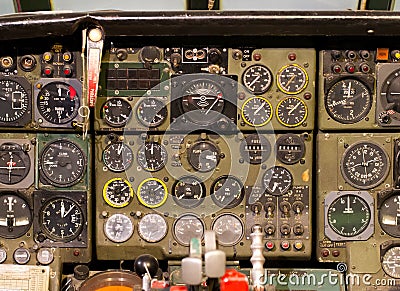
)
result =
(257, 259)
(146, 267)
(215, 260)
(192, 265)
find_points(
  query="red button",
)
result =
(47, 71)
(350, 68)
(269, 245)
(285, 245)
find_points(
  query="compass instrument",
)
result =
(227, 192)
(292, 79)
(116, 112)
(256, 111)
(348, 101)
(364, 165)
(117, 192)
(118, 157)
(229, 229)
(152, 156)
(277, 180)
(188, 192)
(204, 156)
(255, 149)
(151, 112)
(15, 163)
(186, 227)
(61, 219)
(257, 79)
(118, 228)
(390, 262)
(152, 192)
(152, 227)
(15, 216)
(291, 111)
(62, 163)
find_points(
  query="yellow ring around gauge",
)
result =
(291, 125)
(283, 89)
(165, 193)
(110, 202)
(252, 124)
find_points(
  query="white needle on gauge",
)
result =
(349, 90)
(119, 150)
(216, 100)
(69, 210)
(152, 149)
(59, 91)
(255, 80)
(259, 108)
(290, 81)
(294, 108)
(3, 98)
(62, 209)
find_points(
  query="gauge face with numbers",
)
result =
(257, 79)
(203, 156)
(227, 192)
(15, 215)
(188, 192)
(58, 102)
(118, 228)
(291, 111)
(117, 157)
(277, 180)
(116, 112)
(151, 112)
(152, 156)
(391, 262)
(389, 217)
(14, 101)
(186, 227)
(62, 163)
(292, 79)
(152, 192)
(117, 192)
(255, 149)
(228, 228)
(364, 165)
(152, 227)
(256, 111)
(14, 163)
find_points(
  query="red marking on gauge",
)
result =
(219, 95)
(72, 93)
(12, 164)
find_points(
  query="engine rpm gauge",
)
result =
(116, 112)
(117, 157)
(227, 192)
(187, 227)
(277, 180)
(14, 163)
(364, 165)
(257, 79)
(15, 216)
(62, 163)
(152, 192)
(15, 100)
(292, 79)
(391, 262)
(188, 192)
(389, 215)
(117, 192)
(118, 228)
(256, 111)
(58, 102)
(152, 227)
(291, 111)
(152, 156)
(229, 229)
(203, 156)
(348, 101)
(151, 112)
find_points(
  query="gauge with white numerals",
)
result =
(152, 227)
(118, 228)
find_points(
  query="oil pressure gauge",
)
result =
(15, 216)
(152, 227)
(116, 112)
(188, 192)
(117, 157)
(257, 79)
(391, 262)
(292, 79)
(227, 192)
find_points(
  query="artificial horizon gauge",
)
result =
(255, 149)
(256, 111)
(229, 229)
(292, 79)
(364, 165)
(203, 155)
(277, 180)
(152, 227)
(118, 228)
(14, 163)
(291, 111)
(58, 102)
(202, 101)
(391, 262)
(187, 227)
(62, 163)
(117, 192)
(348, 101)
(152, 156)
(117, 157)
(227, 192)
(15, 99)
(15, 216)
(257, 79)
(151, 112)
(188, 192)
(152, 192)
(61, 219)
(389, 215)
(290, 148)
(116, 112)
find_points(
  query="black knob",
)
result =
(336, 54)
(122, 54)
(214, 56)
(146, 260)
(81, 272)
(150, 54)
(41, 237)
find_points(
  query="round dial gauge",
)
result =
(152, 192)
(390, 94)
(152, 156)
(290, 148)
(349, 215)
(188, 192)
(61, 219)
(118, 228)
(255, 149)
(364, 165)
(291, 111)
(14, 101)
(257, 79)
(348, 101)
(229, 229)
(58, 102)
(15, 216)
(62, 163)
(277, 180)
(14, 163)
(116, 112)
(256, 111)
(389, 215)
(186, 227)
(117, 157)
(227, 192)
(202, 101)
(292, 79)
(117, 192)
(152, 227)
(391, 262)
(203, 156)
(151, 112)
